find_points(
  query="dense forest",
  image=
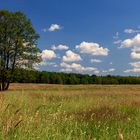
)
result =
(33, 76)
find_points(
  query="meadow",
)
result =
(70, 112)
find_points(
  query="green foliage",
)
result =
(17, 45)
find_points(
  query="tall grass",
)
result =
(52, 112)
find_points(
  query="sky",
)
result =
(85, 36)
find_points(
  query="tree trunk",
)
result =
(4, 86)
(0, 86)
(4, 83)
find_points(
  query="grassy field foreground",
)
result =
(82, 112)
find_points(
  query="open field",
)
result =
(80, 112)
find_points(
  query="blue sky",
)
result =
(85, 36)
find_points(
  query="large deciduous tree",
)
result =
(18, 48)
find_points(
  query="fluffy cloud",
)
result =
(131, 31)
(92, 48)
(127, 43)
(135, 64)
(76, 67)
(54, 27)
(135, 55)
(71, 57)
(133, 42)
(60, 47)
(48, 54)
(136, 67)
(135, 49)
(95, 61)
(132, 70)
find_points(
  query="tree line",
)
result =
(34, 76)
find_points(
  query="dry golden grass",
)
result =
(74, 112)
(102, 89)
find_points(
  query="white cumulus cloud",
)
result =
(71, 57)
(133, 42)
(60, 47)
(132, 70)
(92, 48)
(135, 67)
(127, 43)
(135, 64)
(76, 67)
(135, 55)
(54, 27)
(48, 54)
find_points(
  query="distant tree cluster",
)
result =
(32, 76)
